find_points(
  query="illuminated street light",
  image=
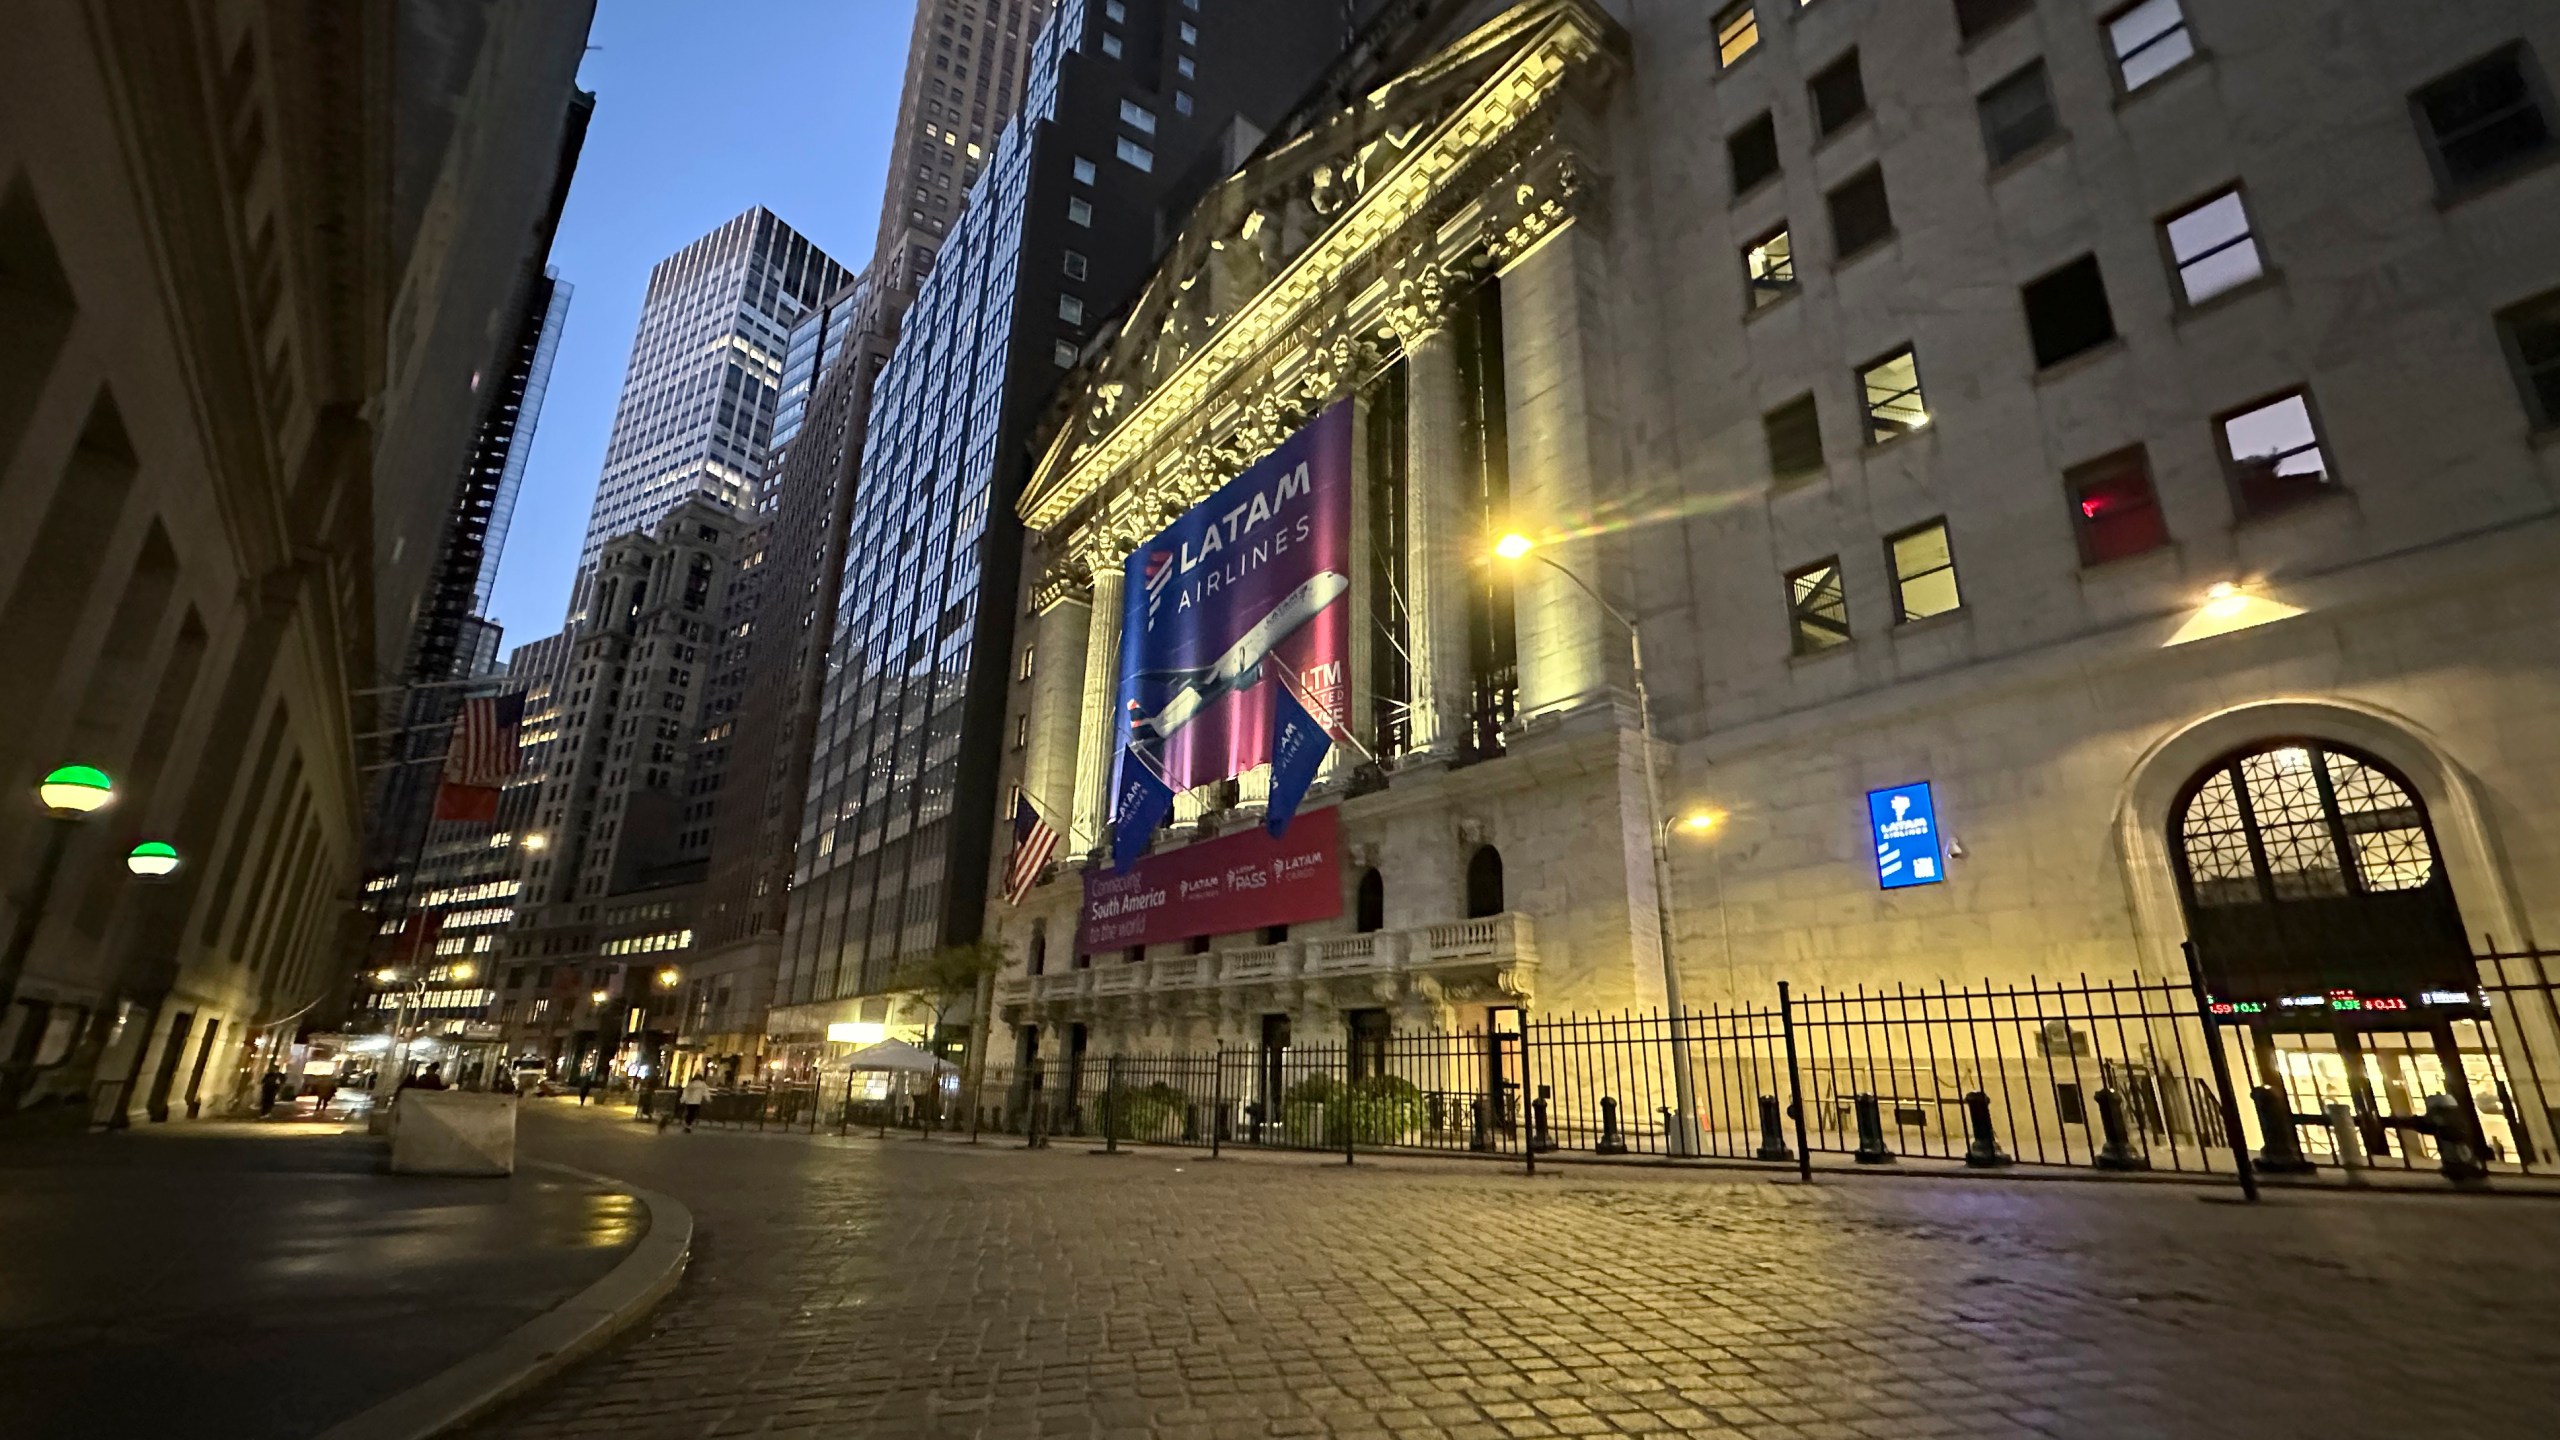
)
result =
(668, 977)
(599, 997)
(75, 791)
(70, 794)
(464, 970)
(152, 859)
(386, 977)
(1683, 1123)
(537, 841)
(1701, 822)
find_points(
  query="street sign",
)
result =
(1904, 820)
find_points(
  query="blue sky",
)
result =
(703, 108)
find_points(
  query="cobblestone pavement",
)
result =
(899, 1288)
(262, 1281)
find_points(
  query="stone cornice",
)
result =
(1308, 331)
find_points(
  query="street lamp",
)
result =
(1684, 1138)
(70, 795)
(153, 859)
(669, 977)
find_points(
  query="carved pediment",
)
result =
(1296, 273)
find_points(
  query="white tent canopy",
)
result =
(900, 1058)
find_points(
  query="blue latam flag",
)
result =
(1298, 748)
(1145, 799)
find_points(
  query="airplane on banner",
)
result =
(1240, 668)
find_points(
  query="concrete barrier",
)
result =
(453, 1132)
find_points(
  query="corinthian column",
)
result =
(1436, 543)
(1100, 731)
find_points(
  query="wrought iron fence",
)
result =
(2115, 1076)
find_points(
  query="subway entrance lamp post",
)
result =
(1683, 1139)
(70, 795)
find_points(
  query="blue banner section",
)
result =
(1144, 801)
(1904, 822)
(1243, 597)
(1298, 746)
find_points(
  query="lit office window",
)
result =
(1134, 154)
(1737, 32)
(1891, 387)
(1817, 607)
(2149, 40)
(1924, 572)
(2212, 248)
(1137, 117)
(1770, 263)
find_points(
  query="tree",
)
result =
(948, 977)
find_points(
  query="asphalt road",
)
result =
(266, 1281)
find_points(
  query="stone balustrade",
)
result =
(1496, 943)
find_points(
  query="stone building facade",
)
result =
(2058, 403)
(253, 261)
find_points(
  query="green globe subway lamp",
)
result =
(75, 790)
(152, 859)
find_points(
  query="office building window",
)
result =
(1737, 32)
(1861, 216)
(1111, 45)
(2067, 312)
(1794, 434)
(1071, 309)
(2018, 115)
(1182, 102)
(1135, 154)
(1190, 33)
(1072, 262)
(2484, 119)
(1084, 171)
(1817, 607)
(1030, 659)
(1753, 151)
(1976, 18)
(1924, 573)
(2211, 248)
(1770, 264)
(1839, 95)
(1114, 10)
(2273, 455)
(2114, 511)
(1891, 387)
(1080, 212)
(2531, 333)
(2148, 41)
(1064, 354)
(1185, 66)
(1137, 117)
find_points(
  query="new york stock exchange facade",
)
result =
(2283, 774)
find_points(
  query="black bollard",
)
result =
(1611, 1141)
(2118, 1152)
(2456, 1156)
(1871, 1147)
(1773, 1132)
(1982, 1151)
(2282, 1154)
(1540, 1138)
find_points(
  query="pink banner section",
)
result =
(1224, 886)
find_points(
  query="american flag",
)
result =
(484, 741)
(1033, 843)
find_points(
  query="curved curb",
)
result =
(550, 1342)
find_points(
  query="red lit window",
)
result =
(2113, 509)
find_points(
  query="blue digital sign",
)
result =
(1905, 821)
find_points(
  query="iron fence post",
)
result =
(1111, 1105)
(1795, 1083)
(1217, 1098)
(1349, 1136)
(1528, 1087)
(2232, 1132)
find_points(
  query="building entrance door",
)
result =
(2323, 929)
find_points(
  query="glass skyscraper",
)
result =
(1130, 107)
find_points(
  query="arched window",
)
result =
(1039, 949)
(1372, 916)
(1484, 883)
(2300, 822)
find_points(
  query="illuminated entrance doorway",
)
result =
(2323, 929)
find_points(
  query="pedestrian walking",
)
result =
(270, 1085)
(326, 1092)
(696, 1093)
(586, 1086)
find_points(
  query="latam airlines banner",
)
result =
(1236, 632)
